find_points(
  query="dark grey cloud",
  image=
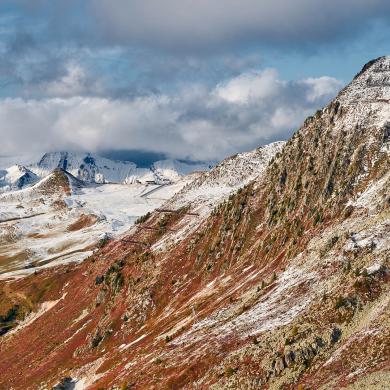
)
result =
(187, 25)
(204, 24)
(164, 43)
(142, 158)
(38, 40)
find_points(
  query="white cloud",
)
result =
(321, 86)
(200, 123)
(283, 117)
(250, 86)
(75, 82)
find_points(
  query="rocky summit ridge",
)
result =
(366, 100)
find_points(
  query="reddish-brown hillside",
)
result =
(284, 285)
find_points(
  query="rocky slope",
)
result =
(206, 192)
(283, 285)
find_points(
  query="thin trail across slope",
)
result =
(144, 195)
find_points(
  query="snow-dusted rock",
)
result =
(16, 177)
(96, 169)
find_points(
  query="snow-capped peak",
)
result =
(93, 168)
(16, 177)
(370, 85)
(365, 102)
(85, 166)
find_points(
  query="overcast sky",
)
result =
(198, 79)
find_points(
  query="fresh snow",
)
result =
(23, 171)
(34, 231)
(96, 169)
(211, 188)
(35, 225)
(366, 101)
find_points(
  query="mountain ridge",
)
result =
(284, 284)
(60, 199)
(92, 168)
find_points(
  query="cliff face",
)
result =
(285, 284)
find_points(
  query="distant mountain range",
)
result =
(16, 174)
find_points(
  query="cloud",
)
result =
(74, 82)
(202, 25)
(191, 25)
(321, 86)
(133, 74)
(199, 122)
(137, 46)
(250, 86)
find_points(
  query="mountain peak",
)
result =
(93, 168)
(365, 101)
(16, 177)
(59, 181)
(371, 63)
(370, 85)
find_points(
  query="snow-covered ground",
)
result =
(46, 223)
(44, 230)
(118, 206)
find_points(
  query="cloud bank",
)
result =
(185, 78)
(198, 122)
(202, 24)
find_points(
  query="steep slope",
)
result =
(206, 192)
(284, 285)
(225, 178)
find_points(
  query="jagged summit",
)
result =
(370, 85)
(59, 181)
(368, 65)
(93, 168)
(365, 102)
(16, 177)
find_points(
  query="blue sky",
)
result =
(188, 79)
